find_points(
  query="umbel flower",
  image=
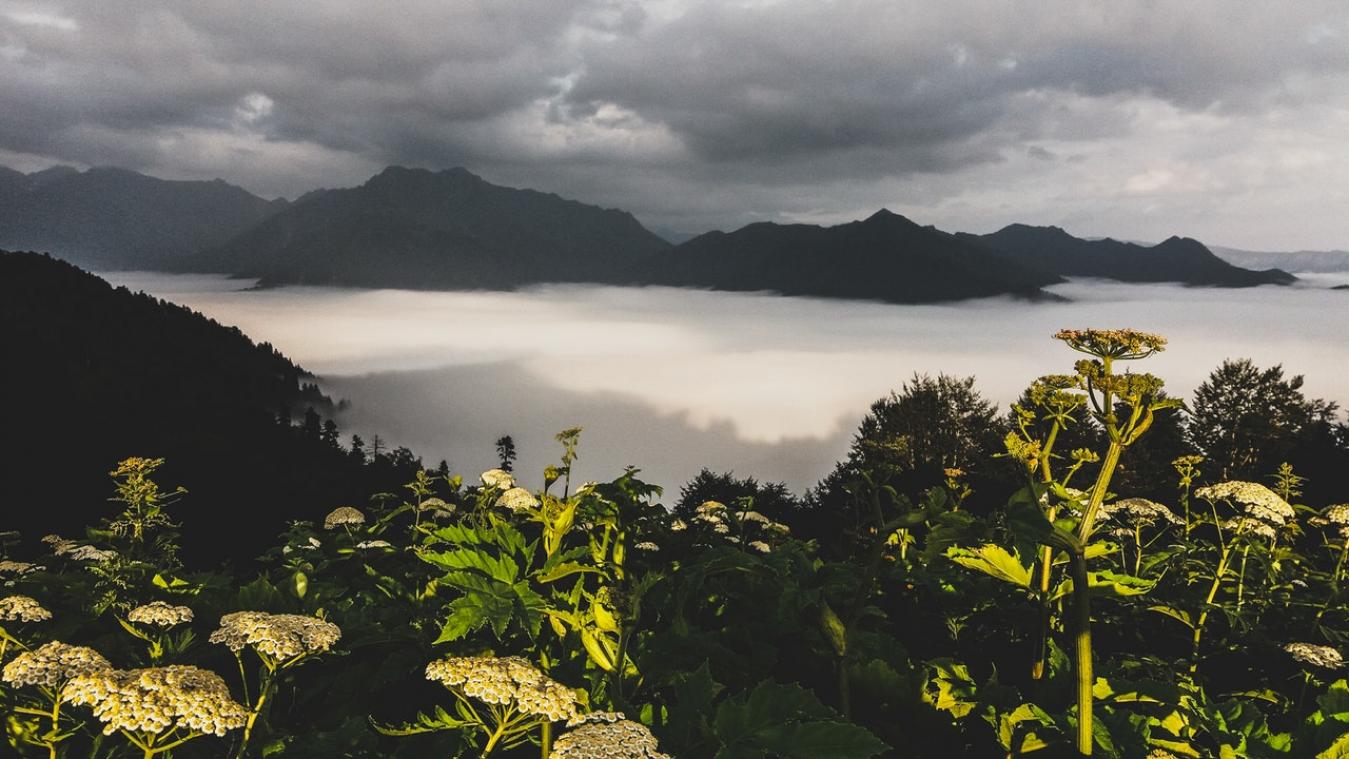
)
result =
(606, 735)
(518, 500)
(178, 700)
(160, 614)
(497, 478)
(1317, 656)
(1123, 344)
(279, 638)
(1138, 511)
(1255, 500)
(509, 681)
(343, 516)
(18, 568)
(53, 663)
(22, 609)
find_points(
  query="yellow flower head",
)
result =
(156, 700)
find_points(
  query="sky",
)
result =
(1138, 120)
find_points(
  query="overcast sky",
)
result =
(1219, 120)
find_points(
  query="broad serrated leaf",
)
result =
(994, 561)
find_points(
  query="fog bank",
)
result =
(671, 380)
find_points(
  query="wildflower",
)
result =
(280, 637)
(435, 504)
(721, 528)
(52, 664)
(509, 681)
(373, 544)
(760, 546)
(343, 516)
(157, 700)
(22, 609)
(1337, 514)
(518, 500)
(498, 478)
(678, 525)
(647, 545)
(1249, 526)
(778, 527)
(1255, 500)
(606, 735)
(1138, 511)
(1123, 344)
(754, 516)
(160, 614)
(18, 568)
(1317, 656)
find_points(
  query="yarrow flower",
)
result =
(647, 545)
(22, 609)
(508, 681)
(678, 525)
(497, 478)
(518, 500)
(280, 637)
(435, 504)
(160, 614)
(754, 516)
(1256, 500)
(343, 516)
(1317, 656)
(372, 544)
(606, 735)
(53, 663)
(760, 546)
(156, 700)
(1337, 514)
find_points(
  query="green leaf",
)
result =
(811, 740)
(499, 568)
(1182, 617)
(563, 570)
(993, 560)
(1338, 750)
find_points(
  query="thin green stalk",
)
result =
(545, 740)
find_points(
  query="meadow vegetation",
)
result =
(1105, 571)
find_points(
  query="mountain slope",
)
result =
(1177, 259)
(884, 257)
(1320, 261)
(117, 219)
(99, 374)
(450, 229)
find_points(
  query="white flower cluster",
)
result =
(1250, 526)
(18, 568)
(1255, 500)
(758, 529)
(606, 735)
(278, 636)
(439, 507)
(507, 681)
(1337, 515)
(647, 545)
(158, 699)
(1317, 656)
(374, 544)
(22, 609)
(343, 516)
(53, 663)
(160, 614)
(518, 500)
(1138, 512)
(497, 478)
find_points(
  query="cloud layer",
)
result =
(1219, 120)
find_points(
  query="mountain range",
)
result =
(451, 229)
(1319, 261)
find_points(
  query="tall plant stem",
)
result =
(1208, 603)
(545, 740)
(1082, 597)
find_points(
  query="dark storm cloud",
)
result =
(696, 112)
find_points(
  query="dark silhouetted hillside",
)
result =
(118, 219)
(885, 257)
(95, 374)
(1177, 259)
(436, 230)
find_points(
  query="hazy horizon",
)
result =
(672, 380)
